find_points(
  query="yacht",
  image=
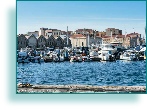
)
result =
(129, 55)
(107, 52)
(118, 46)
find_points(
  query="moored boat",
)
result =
(22, 57)
(107, 52)
(129, 55)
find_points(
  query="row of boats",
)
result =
(105, 52)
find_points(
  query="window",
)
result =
(82, 44)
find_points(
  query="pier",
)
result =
(79, 89)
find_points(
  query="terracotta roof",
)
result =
(89, 30)
(48, 31)
(120, 36)
(133, 34)
(77, 35)
(106, 36)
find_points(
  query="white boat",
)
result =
(142, 54)
(86, 59)
(107, 52)
(58, 57)
(106, 56)
(129, 55)
(94, 56)
(117, 45)
(76, 59)
(48, 57)
(22, 57)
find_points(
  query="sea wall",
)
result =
(79, 89)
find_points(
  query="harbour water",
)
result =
(118, 73)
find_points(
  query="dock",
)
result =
(79, 89)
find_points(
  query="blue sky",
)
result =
(98, 15)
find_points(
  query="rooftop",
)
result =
(77, 35)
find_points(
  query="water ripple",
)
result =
(89, 73)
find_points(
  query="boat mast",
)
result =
(67, 36)
(88, 38)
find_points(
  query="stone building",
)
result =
(59, 43)
(21, 41)
(50, 41)
(31, 41)
(48, 32)
(84, 31)
(65, 42)
(56, 33)
(78, 40)
(94, 40)
(41, 42)
(130, 40)
(101, 34)
(42, 31)
(135, 39)
(114, 31)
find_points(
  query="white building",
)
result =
(48, 33)
(42, 31)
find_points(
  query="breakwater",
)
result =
(80, 89)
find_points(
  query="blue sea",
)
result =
(118, 73)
